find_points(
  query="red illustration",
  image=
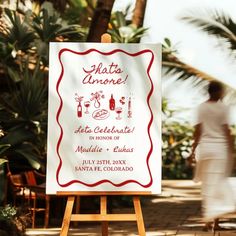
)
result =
(118, 111)
(129, 108)
(87, 105)
(122, 100)
(103, 113)
(100, 114)
(79, 107)
(112, 103)
(96, 97)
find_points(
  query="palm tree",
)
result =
(139, 12)
(100, 20)
(172, 65)
(215, 24)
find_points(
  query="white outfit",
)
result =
(212, 160)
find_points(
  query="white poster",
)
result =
(104, 117)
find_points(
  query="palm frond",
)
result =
(184, 71)
(18, 33)
(172, 65)
(217, 24)
(123, 32)
(28, 98)
(3, 148)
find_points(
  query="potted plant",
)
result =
(13, 221)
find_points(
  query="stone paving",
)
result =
(177, 211)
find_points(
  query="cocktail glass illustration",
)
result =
(118, 111)
(87, 105)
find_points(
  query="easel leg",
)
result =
(139, 215)
(103, 211)
(67, 216)
(47, 209)
(77, 210)
(34, 212)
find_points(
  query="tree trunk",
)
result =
(139, 12)
(100, 20)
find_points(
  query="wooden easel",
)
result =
(102, 217)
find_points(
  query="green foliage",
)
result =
(18, 34)
(8, 212)
(13, 221)
(3, 148)
(176, 147)
(23, 114)
(48, 27)
(79, 11)
(24, 47)
(6, 50)
(122, 32)
(27, 35)
(2, 161)
(177, 139)
(168, 48)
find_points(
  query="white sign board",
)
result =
(104, 117)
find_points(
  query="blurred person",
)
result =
(213, 144)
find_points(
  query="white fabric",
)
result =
(211, 151)
(212, 167)
(217, 193)
(211, 116)
(213, 144)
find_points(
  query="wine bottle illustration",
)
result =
(79, 106)
(112, 103)
(79, 110)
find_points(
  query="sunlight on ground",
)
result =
(53, 232)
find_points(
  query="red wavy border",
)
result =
(61, 129)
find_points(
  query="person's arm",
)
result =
(196, 138)
(229, 138)
(230, 141)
